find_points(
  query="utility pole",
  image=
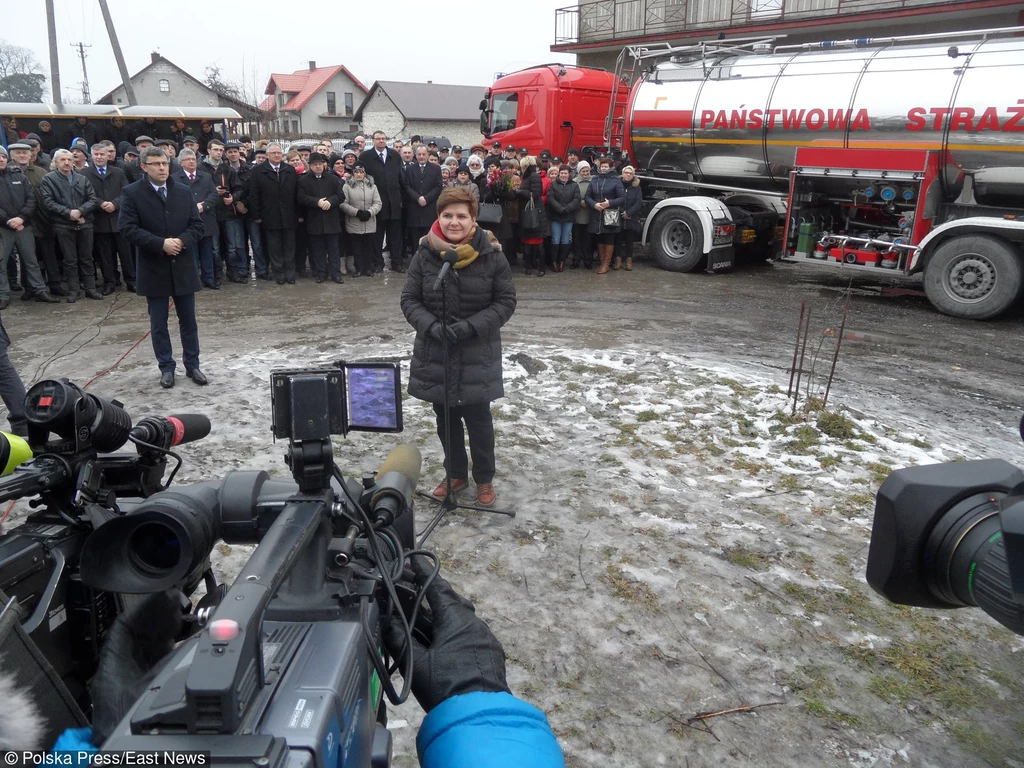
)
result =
(86, 98)
(129, 92)
(51, 34)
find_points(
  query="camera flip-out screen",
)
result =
(374, 402)
(314, 404)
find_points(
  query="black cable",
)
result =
(165, 452)
(389, 586)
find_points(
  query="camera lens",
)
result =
(154, 548)
(966, 562)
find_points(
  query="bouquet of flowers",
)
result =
(502, 180)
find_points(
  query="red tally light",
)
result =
(45, 402)
(223, 630)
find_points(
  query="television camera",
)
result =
(951, 536)
(287, 664)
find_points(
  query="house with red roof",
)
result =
(315, 100)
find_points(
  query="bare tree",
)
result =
(21, 76)
(217, 83)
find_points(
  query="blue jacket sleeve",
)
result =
(487, 730)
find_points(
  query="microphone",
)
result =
(396, 484)
(15, 450)
(450, 257)
(168, 431)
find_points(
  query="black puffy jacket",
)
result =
(483, 294)
(634, 201)
(563, 200)
(17, 197)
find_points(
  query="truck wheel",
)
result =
(975, 277)
(677, 238)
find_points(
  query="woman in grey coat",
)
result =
(361, 206)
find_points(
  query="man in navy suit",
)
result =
(205, 197)
(159, 217)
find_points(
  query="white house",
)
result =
(423, 109)
(317, 100)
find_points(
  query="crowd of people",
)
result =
(313, 210)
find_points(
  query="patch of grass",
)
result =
(678, 559)
(841, 560)
(730, 443)
(931, 669)
(818, 708)
(601, 370)
(647, 415)
(790, 483)
(607, 458)
(989, 747)
(736, 387)
(626, 588)
(803, 439)
(573, 386)
(578, 473)
(891, 688)
(748, 466)
(879, 471)
(629, 378)
(807, 597)
(827, 462)
(836, 425)
(918, 443)
(862, 499)
(746, 427)
(746, 558)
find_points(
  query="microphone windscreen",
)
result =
(189, 427)
(451, 257)
(406, 459)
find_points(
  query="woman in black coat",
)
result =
(532, 188)
(630, 219)
(479, 303)
(563, 202)
(605, 192)
(319, 194)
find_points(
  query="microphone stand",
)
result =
(449, 502)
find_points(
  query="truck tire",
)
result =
(677, 238)
(975, 277)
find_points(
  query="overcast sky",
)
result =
(462, 42)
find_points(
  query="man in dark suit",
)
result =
(272, 190)
(205, 196)
(423, 186)
(385, 166)
(160, 218)
(107, 243)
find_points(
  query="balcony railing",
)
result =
(610, 20)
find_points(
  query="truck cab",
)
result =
(551, 106)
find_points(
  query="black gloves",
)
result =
(436, 331)
(363, 215)
(464, 656)
(137, 641)
(459, 331)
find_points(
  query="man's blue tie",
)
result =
(163, 192)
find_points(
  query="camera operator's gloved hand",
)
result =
(137, 641)
(460, 331)
(436, 331)
(464, 656)
(363, 215)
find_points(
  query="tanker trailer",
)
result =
(908, 158)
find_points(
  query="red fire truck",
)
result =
(905, 155)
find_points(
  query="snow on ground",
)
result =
(682, 544)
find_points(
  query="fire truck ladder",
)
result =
(628, 64)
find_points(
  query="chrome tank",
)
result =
(738, 120)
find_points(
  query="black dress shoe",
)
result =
(338, 280)
(280, 282)
(239, 279)
(44, 298)
(108, 289)
(16, 287)
(94, 295)
(58, 290)
(262, 277)
(130, 287)
(399, 269)
(167, 379)
(291, 281)
(27, 296)
(71, 299)
(212, 286)
(320, 279)
(216, 284)
(197, 376)
(4, 304)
